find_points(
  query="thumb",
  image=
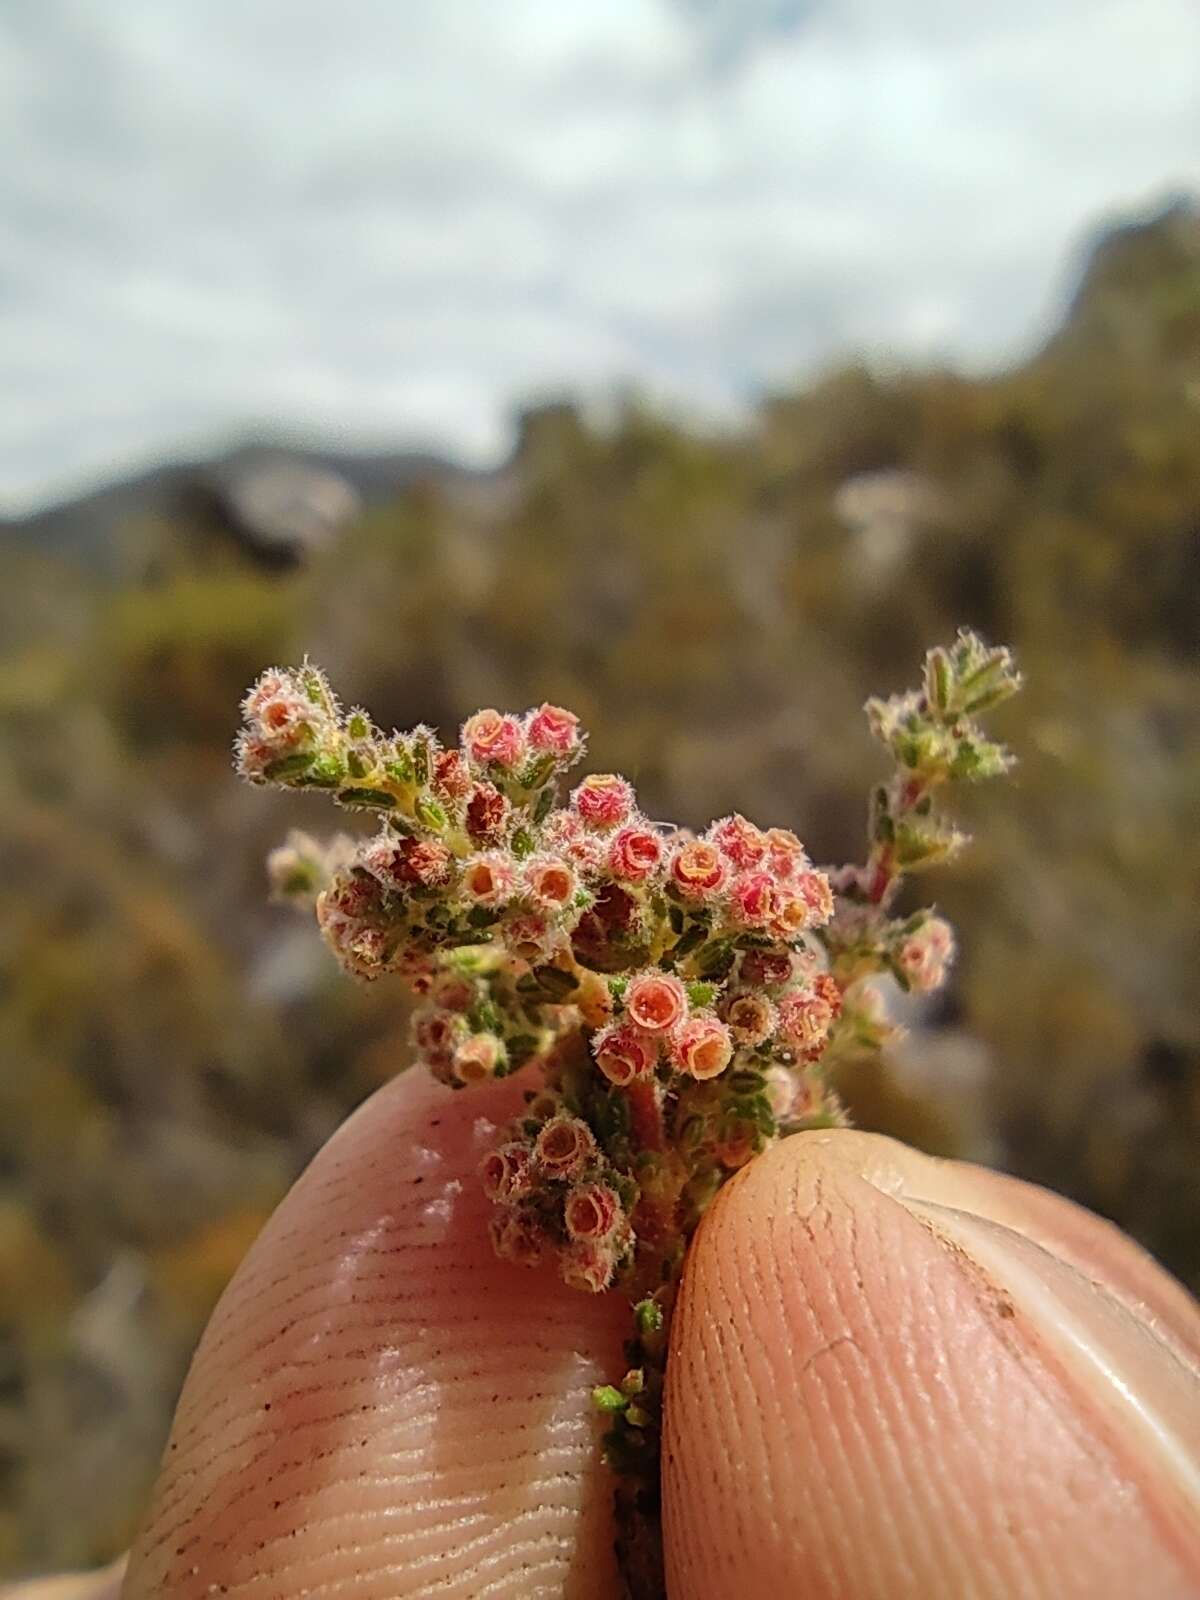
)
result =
(378, 1406)
(897, 1377)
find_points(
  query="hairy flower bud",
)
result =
(925, 955)
(489, 879)
(553, 731)
(493, 740)
(740, 841)
(625, 1053)
(507, 1171)
(699, 870)
(564, 1147)
(702, 1046)
(635, 854)
(477, 1057)
(656, 1001)
(750, 1016)
(603, 801)
(550, 883)
(591, 1211)
(754, 900)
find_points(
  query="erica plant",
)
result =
(674, 999)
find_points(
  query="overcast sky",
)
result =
(387, 222)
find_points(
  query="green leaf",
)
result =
(607, 1398)
(429, 813)
(289, 766)
(369, 799)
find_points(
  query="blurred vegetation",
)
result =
(717, 609)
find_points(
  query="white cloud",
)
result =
(392, 222)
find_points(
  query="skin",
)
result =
(890, 1376)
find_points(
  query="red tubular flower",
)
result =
(507, 1172)
(553, 731)
(754, 899)
(767, 969)
(744, 844)
(751, 1017)
(591, 1211)
(550, 883)
(477, 1058)
(624, 1053)
(518, 1236)
(603, 800)
(786, 856)
(635, 854)
(564, 1146)
(818, 896)
(806, 1016)
(699, 869)
(493, 740)
(702, 1047)
(656, 1001)
(490, 879)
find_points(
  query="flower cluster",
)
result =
(677, 992)
(679, 997)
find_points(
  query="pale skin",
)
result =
(890, 1377)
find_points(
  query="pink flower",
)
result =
(635, 853)
(588, 1265)
(477, 1058)
(751, 1018)
(507, 1172)
(806, 1015)
(699, 869)
(925, 955)
(818, 896)
(786, 856)
(490, 879)
(603, 800)
(553, 731)
(487, 814)
(656, 1001)
(564, 1146)
(551, 882)
(493, 740)
(624, 1053)
(743, 843)
(754, 899)
(702, 1047)
(591, 1211)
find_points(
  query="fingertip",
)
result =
(378, 1406)
(865, 1398)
